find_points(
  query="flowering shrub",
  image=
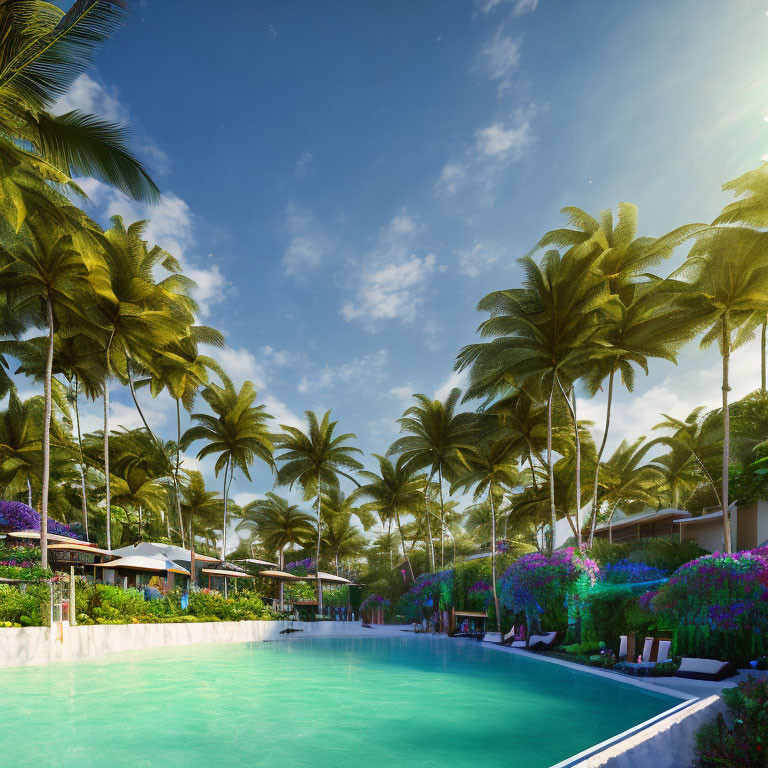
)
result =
(17, 516)
(374, 601)
(628, 572)
(301, 567)
(432, 591)
(719, 604)
(722, 592)
(742, 738)
(535, 579)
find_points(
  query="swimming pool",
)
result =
(326, 703)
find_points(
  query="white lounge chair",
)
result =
(647, 649)
(663, 653)
(705, 669)
(538, 641)
(623, 647)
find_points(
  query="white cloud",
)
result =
(478, 258)
(246, 497)
(456, 379)
(391, 292)
(302, 165)
(88, 95)
(496, 139)
(239, 364)
(451, 178)
(499, 56)
(307, 244)
(521, 6)
(190, 463)
(400, 226)
(281, 357)
(357, 371)
(282, 414)
(402, 392)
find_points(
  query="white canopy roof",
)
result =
(166, 551)
(140, 563)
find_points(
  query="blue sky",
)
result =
(346, 180)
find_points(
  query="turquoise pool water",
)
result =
(324, 703)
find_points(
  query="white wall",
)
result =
(40, 645)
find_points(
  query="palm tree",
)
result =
(727, 271)
(279, 524)
(544, 336)
(133, 315)
(625, 480)
(493, 465)
(315, 460)
(47, 274)
(393, 491)
(438, 439)
(237, 434)
(43, 51)
(692, 448)
(80, 361)
(201, 509)
(652, 325)
(341, 536)
(20, 442)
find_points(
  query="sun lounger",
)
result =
(647, 649)
(705, 669)
(542, 641)
(662, 654)
(622, 647)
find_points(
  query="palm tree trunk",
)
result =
(599, 456)
(84, 498)
(726, 345)
(108, 500)
(442, 516)
(762, 356)
(317, 560)
(429, 525)
(551, 468)
(389, 543)
(46, 439)
(402, 542)
(224, 529)
(174, 475)
(493, 557)
(281, 583)
(533, 473)
(577, 438)
(29, 492)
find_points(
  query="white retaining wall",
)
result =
(40, 645)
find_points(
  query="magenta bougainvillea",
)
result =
(432, 591)
(536, 578)
(374, 601)
(17, 516)
(721, 592)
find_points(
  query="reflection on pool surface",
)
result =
(325, 703)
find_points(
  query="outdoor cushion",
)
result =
(705, 669)
(546, 639)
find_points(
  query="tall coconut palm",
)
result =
(80, 361)
(236, 434)
(437, 439)
(201, 509)
(693, 446)
(392, 492)
(20, 443)
(314, 460)
(133, 314)
(279, 524)
(47, 275)
(727, 270)
(342, 537)
(43, 50)
(627, 481)
(653, 325)
(493, 466)
(543, 336)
